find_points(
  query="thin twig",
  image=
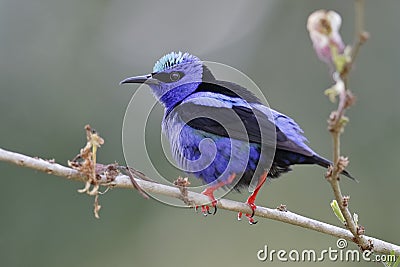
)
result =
(123, 181)
(359, 34)
(336, 126)
(360, 37)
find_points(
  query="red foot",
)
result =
(249, 216)
(252, 198)
(205, 209)
(209, 191)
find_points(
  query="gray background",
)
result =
(60, 64)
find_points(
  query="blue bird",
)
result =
(198, 107)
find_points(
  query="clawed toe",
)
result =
(251, 199)
(249, 216)
(205, 209)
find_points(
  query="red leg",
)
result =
(209, 191)
(252, 198)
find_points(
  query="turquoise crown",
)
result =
(172, 59)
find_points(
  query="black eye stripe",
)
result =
(166, 77)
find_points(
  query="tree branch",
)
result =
(123, 181)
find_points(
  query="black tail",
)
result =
(326, 163)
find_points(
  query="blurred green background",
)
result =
(60, 64)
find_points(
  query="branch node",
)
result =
(342, 163)
(360, 230)
(364, 36)
(329, 172)
(282, 207)
(350, 99)
(332, 123)
(182, 184)
(345, 201)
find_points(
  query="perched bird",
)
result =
(199, 107)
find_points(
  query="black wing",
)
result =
(227, 112)
(255, 124)
(238, 122)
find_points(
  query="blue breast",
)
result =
(208, 156)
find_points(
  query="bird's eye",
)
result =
(166, 77)
(174, 76)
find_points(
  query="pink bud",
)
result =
(323, 27)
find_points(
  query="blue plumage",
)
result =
(207, 119)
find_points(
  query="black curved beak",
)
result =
(147, 79)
